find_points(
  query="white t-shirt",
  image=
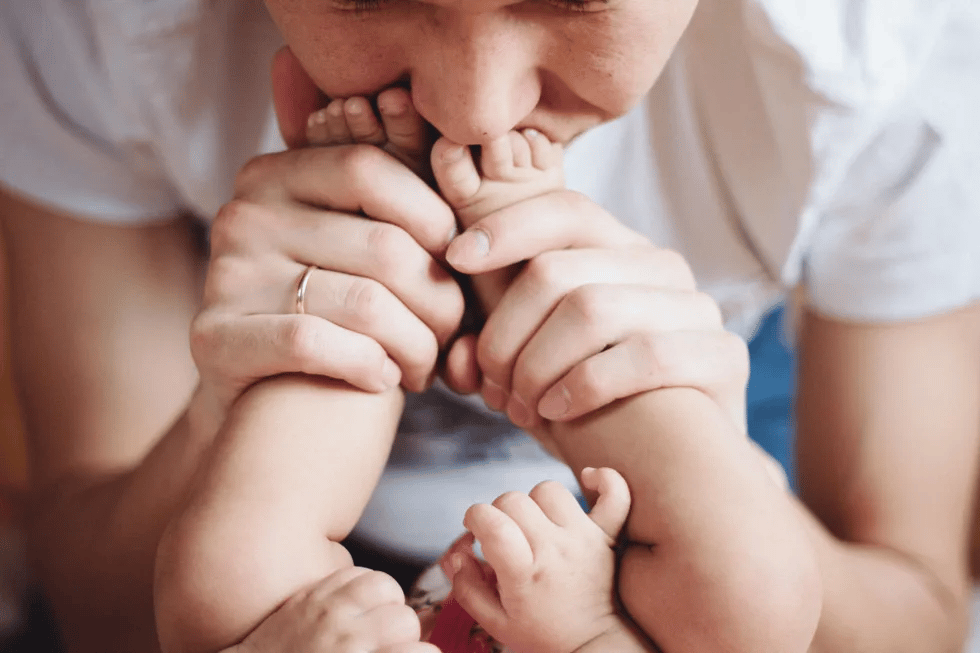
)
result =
(828, 143)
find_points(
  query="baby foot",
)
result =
(515, 167)
(550, 567)
(399, 130)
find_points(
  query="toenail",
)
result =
(317, 117)
(354, 108)
(453, 154)
(336, 109)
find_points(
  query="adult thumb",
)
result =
(294, 96)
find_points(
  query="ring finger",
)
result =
(367, 307)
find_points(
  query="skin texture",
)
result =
(113, 455)
(514, 65)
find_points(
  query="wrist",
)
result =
(622, 636)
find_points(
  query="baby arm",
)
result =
(548, 583)
(717, 559)
(285, 483)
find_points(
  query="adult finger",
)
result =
(588, 320)
(553, 221)
(386, 253)
(265, 345)
(364, 306)
(351, 179)
(545, 281)
(709, 361)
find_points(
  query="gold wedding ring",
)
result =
(301, 289)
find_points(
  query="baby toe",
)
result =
(455, 172)
(362, 122)
(497, 159)
(544, 153)
(405, 128)
(328, 126)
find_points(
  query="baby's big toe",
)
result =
(405, 128)
(455, 172)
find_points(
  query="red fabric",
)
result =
(453, 628)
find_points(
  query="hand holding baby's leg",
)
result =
(548, 582)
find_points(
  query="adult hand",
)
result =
(353, 610)
(596, 314)
(378, 304)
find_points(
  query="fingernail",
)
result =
(555, 403)
(453, 232)
(493, 395)
(518, 412)
(474, 243)
(456, 562)
(390, 374)
(530, 132)
(453, 154)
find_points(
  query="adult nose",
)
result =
(476, 76)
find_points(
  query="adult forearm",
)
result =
(877, 600)
(94, 539)
(720, 560)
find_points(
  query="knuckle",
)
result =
(300, 341)
(252, 173)
(589, 383)
(383, 587)
(545, 270)
(203, 339)
(358, 163)
(510, 499)
(681, 272)
(549, 489)
(235, 224)
(364, 301)
(737, 353)
(389, 247)
(225, 274)
(706, 305)
(655, 358)
(588, 303)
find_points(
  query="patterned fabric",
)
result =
(444, 621)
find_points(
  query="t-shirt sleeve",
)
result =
(893, 229)
(69, 139)
(902, 245)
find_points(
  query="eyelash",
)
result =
(569, 5)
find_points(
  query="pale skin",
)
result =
(281, 474)
(548, 584)
(109, 474)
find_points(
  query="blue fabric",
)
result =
(771, 391)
